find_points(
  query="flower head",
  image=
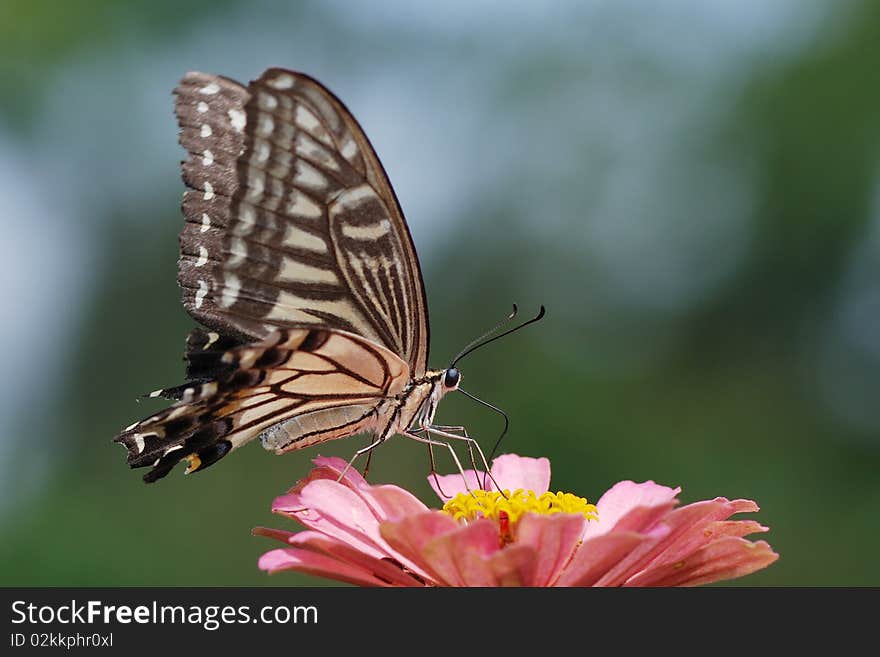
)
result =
(516, 534)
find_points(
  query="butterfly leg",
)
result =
(363, 450)
(459, 429)
(434, 472)
(436, 443)
(367, 464)
(446, 432)
(423, 433)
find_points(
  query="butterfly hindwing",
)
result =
(286, 378)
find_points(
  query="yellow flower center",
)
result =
(508, 508)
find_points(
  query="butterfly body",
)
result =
(296, 261)
(412, 408)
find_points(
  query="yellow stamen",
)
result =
(507, 509)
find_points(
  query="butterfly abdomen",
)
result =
(319, 426)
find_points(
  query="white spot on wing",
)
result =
(306, 120)
(230, 290)
(256, 184)
(367, 232)
(207, 158)
(206, 223)
(265, 125)
(349, 149)
(352, 198)
(283, 81)
(210, 89)
(200, 294)
(156, 393)
(209, 191)
(212, 338)
(205, 131)
(238, 119)
(262, 149)
(202, 107)
(177, 412)
(247, 218)
(139, 442)
(267, 101)
(238, 251)
(131, 426)
(203, 257)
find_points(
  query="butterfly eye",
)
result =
(451, 379)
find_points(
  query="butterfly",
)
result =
(296, 261)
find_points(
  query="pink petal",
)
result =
(509, 470)
(448, 486)
(622, 498)
(330, 467)
(409, 536)
(278, 534)
(394, 503)
(727, 558)
(512, 471)
(699, 524)
(641, 519)
(336, 465)
(668, 547)
(597, 556)
(333, 509)
(460, 557)
(311, 563)
(444, 549)
(288, 504)
(553, 539)
(514, 566)
(384, 569)
(721, 528)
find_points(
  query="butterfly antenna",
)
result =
(503, 431)
(482, 342)
(473, 343)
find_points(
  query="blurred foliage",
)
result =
(725, 407)
(37, 37)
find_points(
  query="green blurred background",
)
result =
(692, 189)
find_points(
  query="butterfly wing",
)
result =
(291, 220)
(293, 238)
(296, 387)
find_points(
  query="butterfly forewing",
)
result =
(297, 260)
(301, 227)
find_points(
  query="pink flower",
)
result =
(633, 536)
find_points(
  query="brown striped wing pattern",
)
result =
(327, 381)
(291, 220)
(297, 262)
